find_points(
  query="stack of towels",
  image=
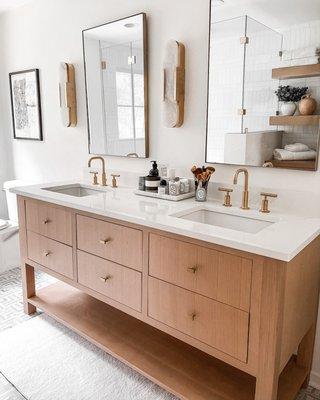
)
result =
(295, 151)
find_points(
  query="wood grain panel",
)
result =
(49, 220)
(220, 276)
(122, 245)
(112, 280)
(223, 327)
(53, 255)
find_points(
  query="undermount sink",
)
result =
(76, 190)
(235, 222)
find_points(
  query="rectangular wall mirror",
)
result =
(255, 47)
(115, 58)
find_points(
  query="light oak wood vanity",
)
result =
(201, 320)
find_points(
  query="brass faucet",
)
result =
(245, 194)
(103, 175)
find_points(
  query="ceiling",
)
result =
(9, 4)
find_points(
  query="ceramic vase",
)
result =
(307, 105)
(288, 108)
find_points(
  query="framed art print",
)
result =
(25, 104)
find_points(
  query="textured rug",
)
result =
(47, 361)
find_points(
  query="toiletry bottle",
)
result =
(152, 181)
(162, 187)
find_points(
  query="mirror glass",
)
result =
(255, 48)
(116, 87)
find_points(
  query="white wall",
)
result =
(46, 32)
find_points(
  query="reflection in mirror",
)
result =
(116, 87)
(255, 47)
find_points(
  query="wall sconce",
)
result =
(174, 84)
(67, 95)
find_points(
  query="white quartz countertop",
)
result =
(282, 240)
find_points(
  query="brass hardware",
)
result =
(242, 111)
(244, 40)
(193, 269)
(227, 197)
(265, 202)
(46, 221)
(106, 278)
(95, 177)
(193, 316)
(103, 175)
(245, 194)
(114, 180)
(47, 253)
(105, 241)
(132, 60)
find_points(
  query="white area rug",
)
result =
(47, 361)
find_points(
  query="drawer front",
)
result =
(51, 254)
(111, 241)
(223, 327)
(112, 280)
(220, 276)
(50, 221)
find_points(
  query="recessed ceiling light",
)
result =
(129, 25)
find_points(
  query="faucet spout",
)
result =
(245, 194)
(103, 175)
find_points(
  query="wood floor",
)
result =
(11, 314)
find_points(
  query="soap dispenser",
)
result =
(152, 181)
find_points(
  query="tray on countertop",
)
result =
(169, 197)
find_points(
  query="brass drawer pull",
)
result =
(193, 269)
(46, 221)
(106, 278)
(193, 315)
(105, 241)
(46, 253)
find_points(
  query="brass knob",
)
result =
(265, 202)
(95, 177)
(193, 269)
(193, 315)
(46, 221)
(105, 241)
(114, 180)
(46, 253)
(105, 279)
(227, 197)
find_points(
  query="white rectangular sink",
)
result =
(229, 221)
(76, 190)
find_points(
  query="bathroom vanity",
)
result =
(230, 315)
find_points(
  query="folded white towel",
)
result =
(296, 147)
(282, 154)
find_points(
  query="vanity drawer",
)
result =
(220, 276)
(123, 284)
(221, 326)
(52, 222)
(51, 254)
(111, 241)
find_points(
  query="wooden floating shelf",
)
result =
(298, 71)
(285, 120)
(177, 367)
(308, 165)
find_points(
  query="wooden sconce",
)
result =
(174, 84)
(67, 94)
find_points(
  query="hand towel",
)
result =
(282, 155)
(296, 147)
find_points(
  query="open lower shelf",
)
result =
(181, 369)
(297, 71)
(286, 120)
(309, 165)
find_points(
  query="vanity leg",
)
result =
(272, 299)
(28, 288)
(305, 353)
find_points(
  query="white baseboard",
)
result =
(315, 380)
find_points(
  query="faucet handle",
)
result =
(265, 202)
(95, 177)
(114, 180)
(227, 197)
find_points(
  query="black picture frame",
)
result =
(19, 99)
